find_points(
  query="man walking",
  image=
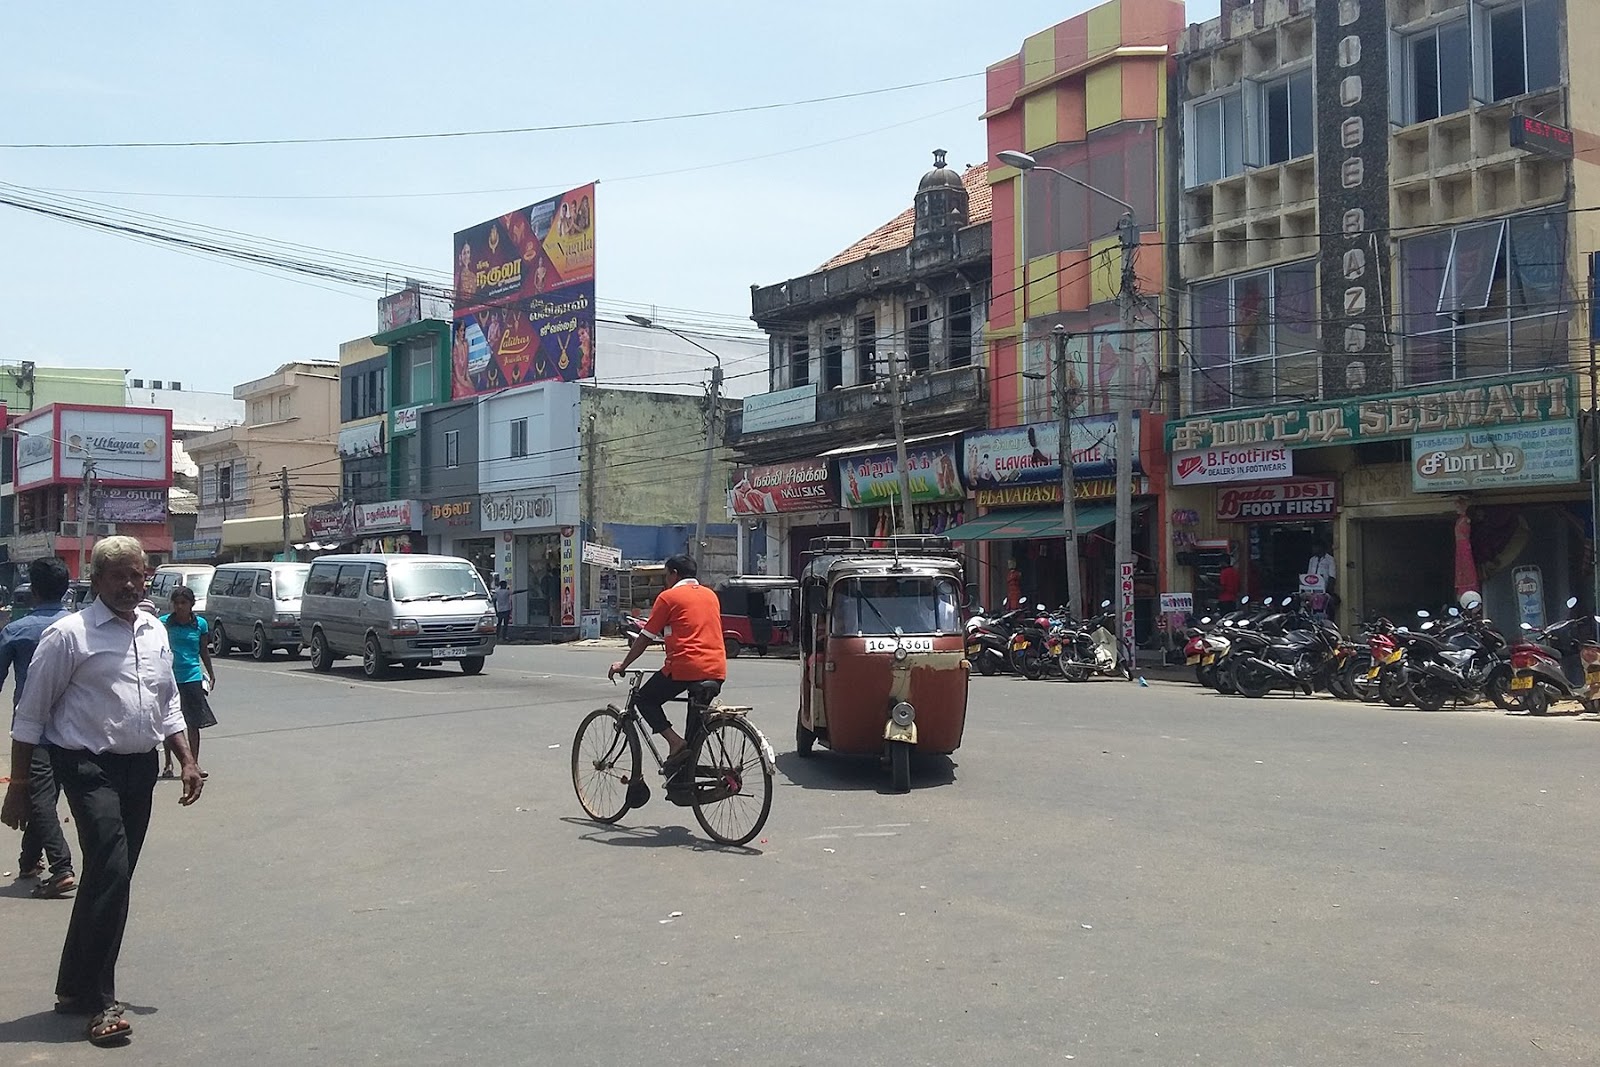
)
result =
(100, 699)
(502, 611)
(42, 837)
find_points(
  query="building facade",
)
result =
(1382, 261)
(814, 454)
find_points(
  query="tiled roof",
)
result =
(897, 232)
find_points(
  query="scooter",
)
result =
(1541, 678)
(1090, 649)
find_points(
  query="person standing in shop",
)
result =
(1228, 587)
(1323, 566)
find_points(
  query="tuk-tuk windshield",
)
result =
(876, 606)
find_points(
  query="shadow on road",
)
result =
(654, 837)
(50, 1028)
(836, 772)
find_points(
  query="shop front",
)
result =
(536, 554)
(782, 506)
(1276, 529)
(390, 526)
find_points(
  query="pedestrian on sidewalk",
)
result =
(100, 699)
(191, 667)
(502, 611)
(42, 839)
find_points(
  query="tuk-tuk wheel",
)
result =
(804, 740)
(900, 766)
(731, 646)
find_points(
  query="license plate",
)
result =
(1392, 657)
(973, 650)
(1522, 681)
(450, 653)
(1193, 660)
(1592, 675)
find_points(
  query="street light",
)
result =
(711, 423)
(1129, 231)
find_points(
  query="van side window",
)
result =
(261, 582)
(378, 583)
(321, 579)
(350, 578)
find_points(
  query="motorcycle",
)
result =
(1084, 651)
(1209, 643)
(989, 642)
(1541, 677)
(1460, 661)
(1301, 654)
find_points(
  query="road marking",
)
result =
(853, 826)
(878, 833)
(823, 837)
(888, 825)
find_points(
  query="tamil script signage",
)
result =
(356, 442)
(1467, 406)
(405, 420)
(1247, 464)
(602, 555)
(1495, 459)
(196, 550)
(130, 505)
(334, 522)
(1031, 454)
(799, 485)
(513, 510)
(873, 479)
(786, 407)
(391, 516)
(1302, 500)
(443, 515)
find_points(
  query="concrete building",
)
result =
(812, 449)
(291, 421)
(193, 412)
(1386, 214)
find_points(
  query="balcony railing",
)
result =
(862, 276)
(935, 393)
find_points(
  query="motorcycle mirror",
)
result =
(1527, 626)
(1206, 621)
(1040, 607)
(1572, 601)
(1421, 614)
(1244, 600)
(1455, 613)
(1105, 603)
(1470, 600)
(1267, 602)
(1428, 625)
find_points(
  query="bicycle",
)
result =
(720, 781)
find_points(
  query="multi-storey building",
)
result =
(815, 452)
(1385, 214)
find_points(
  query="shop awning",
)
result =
(262, 530)
(1031, 523)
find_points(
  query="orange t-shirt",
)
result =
(694, 647)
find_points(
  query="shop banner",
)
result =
(130, 505)
(1466, 406)
(799, 485)
(774, 411)
(405, 420)
(1177, 603)
(602, 555)
(1305, 499)
(873, 479)
(331, 522)
(399, 309)
(1249, 464)
(569, 578)
(1030, 455)
(1495, 459)
(517, 509)
(196, 550)
(445, 516)
(356, 442)
(525, 297)
(391, 516)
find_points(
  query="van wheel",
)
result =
(321, 654)
(373, 665)
(219, 642)
(260, 651)
(731, 646)
(472, 665)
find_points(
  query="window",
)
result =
(320, 582)
(832, 357)
(918, 343)
(958, 330)
(351, 577)
(417, 372)
(519, 438)
(437, 581)
(285, 406)
(866, 350)
(1488, 298)
(378, 583)
(799, 360)
(880, 606)
(1287, 118)
(224, 481)
(1438, 71)
(363, 389)
(452, 449)
(1255, 339)
(258, 411)
(1216, 134)
(1119, 159)
(1520, 48)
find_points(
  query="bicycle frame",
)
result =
(709, 713)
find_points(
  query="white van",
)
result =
(397, 608)
(257, 606)
(169, 576)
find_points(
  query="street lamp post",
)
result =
(1128, 230)
(715, 393)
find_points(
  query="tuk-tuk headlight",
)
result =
(899, 651)
(903, 714)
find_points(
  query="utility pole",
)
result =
(283, 490)
(85, 514)
(1125, 445)
(714, 394)
(1066, 400)
(900, 442)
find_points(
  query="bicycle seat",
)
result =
(701, 694)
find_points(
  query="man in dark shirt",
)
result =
(42, 836)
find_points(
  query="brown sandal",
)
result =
(56, 886)
(108, 1027)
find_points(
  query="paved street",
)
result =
(398, 873)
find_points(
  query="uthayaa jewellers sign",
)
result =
(1251, 463)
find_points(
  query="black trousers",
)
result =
(502, 629)
(658, 689)
(43, 835)
(110, 796)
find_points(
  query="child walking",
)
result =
(191, 668)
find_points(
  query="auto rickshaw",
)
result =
(748, 616)
(884, 649)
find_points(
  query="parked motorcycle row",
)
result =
(1458, 658)
(1040, 643)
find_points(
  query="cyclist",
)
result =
(687, 617)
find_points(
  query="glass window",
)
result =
(878, 606)
(958, 330)
(1542, 43)
(320, 579)
(436, 581)
(1287, 130)
(866, 350)
(1439, 71)
(419, 372)
(198, 583)
(378, 583)
(452, 449)
(1520, 48)
(351, 578)
(1119, 159)
(519, 438)
(832, 357)
(918, 343)
(289, 582)
(1255, 339)
(799, 360)
(1218, 137)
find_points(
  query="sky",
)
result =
(689, 214)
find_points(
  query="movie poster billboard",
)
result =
(525, 297)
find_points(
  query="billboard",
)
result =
(120, 504)
(1546, 454)
(872, 479)
(124, 446)
(798, 485)
(525, 297)
(1030, 454)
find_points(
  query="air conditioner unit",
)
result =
(71, 529)
(105, 529)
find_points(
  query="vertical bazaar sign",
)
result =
(525, 297)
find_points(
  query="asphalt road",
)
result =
(399, 873)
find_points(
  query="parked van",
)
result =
(256, 606)
(400, 608)
(169, 576)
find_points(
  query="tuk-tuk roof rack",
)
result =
(896, 545)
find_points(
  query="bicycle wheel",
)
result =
(605, 761)
(732, 788)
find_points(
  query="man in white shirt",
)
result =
(1323, 566)
(101, 699)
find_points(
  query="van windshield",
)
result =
(198, 583)
(435, 581)
(877, 606)
(289, 583)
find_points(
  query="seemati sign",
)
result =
(1492, 459)
(1248, 464)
